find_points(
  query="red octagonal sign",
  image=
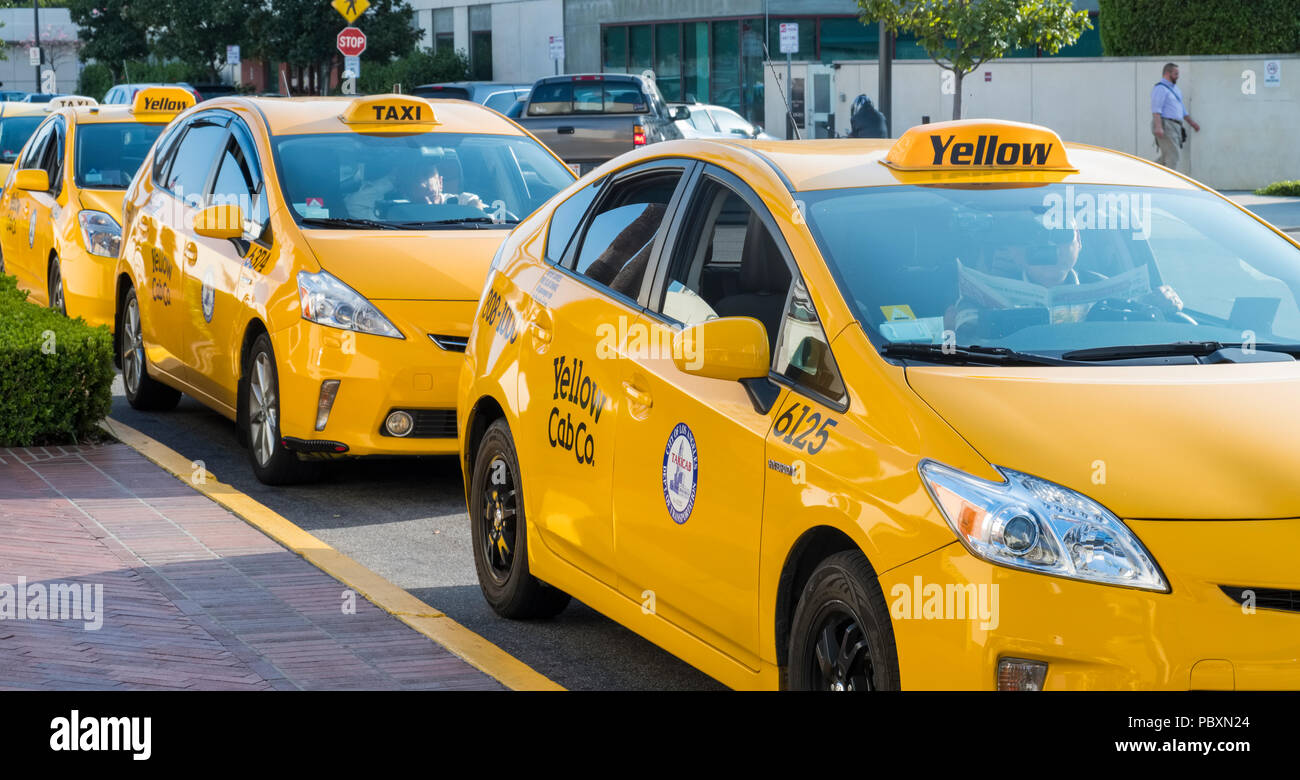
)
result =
(351, 42)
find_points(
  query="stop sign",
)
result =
(351, 42)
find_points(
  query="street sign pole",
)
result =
(36, 33)
(885, 100)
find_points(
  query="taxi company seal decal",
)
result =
(207, 294)
(681, 474)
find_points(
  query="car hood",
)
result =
(1194, 442)
(107, 201)
(441, 265)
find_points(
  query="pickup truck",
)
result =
(589, 119)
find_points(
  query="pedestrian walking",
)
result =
(1167, 117)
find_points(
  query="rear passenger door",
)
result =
(688, 489)
(571, 360)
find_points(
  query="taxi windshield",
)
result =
(109, 154)
(416, 180)
(14, 132)
(1055, 269)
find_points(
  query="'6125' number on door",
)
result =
(796, 424)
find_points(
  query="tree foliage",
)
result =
(962, 35)
(416, 68)
(1150, 28)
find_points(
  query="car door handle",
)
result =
(540, 326)
(191, 253)
(565, 130)
(637, 396)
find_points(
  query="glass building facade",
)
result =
(720, 61)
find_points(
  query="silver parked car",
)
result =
(708, 121)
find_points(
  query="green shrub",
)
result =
(95, 80)
(1150, 28)
(56, 374)
(419, 67)
(1288, 187)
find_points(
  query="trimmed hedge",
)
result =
(419, 67)
(56, 374)
(1150, 28)
(1288, 187)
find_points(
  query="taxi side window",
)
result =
(165, 152)
(619, 238)
(52, 161)
(239, 179)
(728, 264)
(565, 220)
(36, 148)
(188, 177)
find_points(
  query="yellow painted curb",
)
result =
(460, 641)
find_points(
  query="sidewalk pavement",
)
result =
(193, 597)
(1281, 211)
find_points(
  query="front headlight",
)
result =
(327, 301)
(1032, 524)
(102, 234)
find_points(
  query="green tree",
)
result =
(196, 32)
(112, 31)
(962, 35)
(302, 33)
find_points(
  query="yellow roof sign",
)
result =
(351, 9)
(978, 145)
(390, 113)
(71, 101)
(161, 102)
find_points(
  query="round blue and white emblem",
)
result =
(681, 473)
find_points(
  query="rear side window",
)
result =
(165, 151)
(587, 97)
(619, 239)
(565, 219)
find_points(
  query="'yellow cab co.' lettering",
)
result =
(409, 113)
(573, 386)
(988, 151)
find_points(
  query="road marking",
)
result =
(460, 641)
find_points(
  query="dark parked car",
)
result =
(496, 95)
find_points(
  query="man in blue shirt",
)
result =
(1167, 116)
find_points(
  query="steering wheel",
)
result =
(1135, 310)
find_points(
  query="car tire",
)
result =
(500, 533)
(142, 391)
(54, 287)
(273, 463)
(841, 638)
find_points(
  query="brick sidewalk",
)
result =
(193, 597)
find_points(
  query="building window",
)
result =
(444, 33)
(480, 42)
(695, 62)
(847, 38)
(614, 49)
(668, 60)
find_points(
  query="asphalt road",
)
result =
(405, 519)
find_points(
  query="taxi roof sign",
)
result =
(161, 101)
(978, 145)
(390, 113)
(70, 101)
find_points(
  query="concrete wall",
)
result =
(520, 39)
(1244, 140)
(58, 39)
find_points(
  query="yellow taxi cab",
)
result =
(972, 409)
(62, 202)
(310, 267)
(17, 123)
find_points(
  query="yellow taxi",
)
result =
(972, 409)
(17, 123)
(62, 201)
(310, 267)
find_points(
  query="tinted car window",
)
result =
(198, 149)
(565, 219)
(14, 132)
(618, 241)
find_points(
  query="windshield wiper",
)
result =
(1175, 348)
(349, 222)
(476, 221)
(967, 355)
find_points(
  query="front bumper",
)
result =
(88, 285)
(1101, 637)
(376, 375)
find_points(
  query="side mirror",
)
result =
(677, 113)
(742, 132)
(730, 348)
(33, 179)
(221, 221)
